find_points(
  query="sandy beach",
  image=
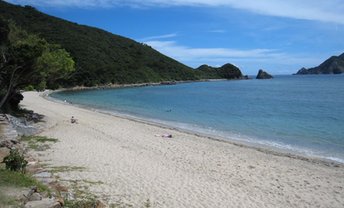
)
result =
(129, 163)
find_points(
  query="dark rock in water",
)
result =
(263, 75)
(333, 65)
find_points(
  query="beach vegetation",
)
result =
(18, 179)
(29, 88)
(93, 182)
(12, 184)
(57, 169)
(15, 161)
(38, 143)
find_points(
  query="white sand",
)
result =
(184, 171)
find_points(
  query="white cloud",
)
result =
(173, 49)
(188, 54)
(319, 10)
(171, 35)
(217, 31)
(249, 60)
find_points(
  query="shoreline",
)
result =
(116, 86)
(188, 170)
(265, 148)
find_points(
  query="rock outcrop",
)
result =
(263, 75)
(333, 65)
(44, 203)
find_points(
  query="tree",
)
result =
(53, 65)
(28, 60)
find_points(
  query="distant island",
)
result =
(227, 71)
(263, 75)
(333, 65)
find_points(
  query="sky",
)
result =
(278, 36)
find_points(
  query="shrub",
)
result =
(15, 161)
(29, 88)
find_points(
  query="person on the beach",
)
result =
(73, 120)
(164, 135)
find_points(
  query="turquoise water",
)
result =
(303, 114)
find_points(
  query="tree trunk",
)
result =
(10, 88)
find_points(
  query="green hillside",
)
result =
(227, 71)
(102, 57)
(333, 65)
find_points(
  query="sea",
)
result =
(299, 114)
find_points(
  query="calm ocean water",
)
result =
(303, 114)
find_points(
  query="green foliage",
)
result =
(38, 143)
(54, 64)
(29, 60)
(59, 169)
(227, 71)
(41, 86)
(100, 57)
(18, 179)
(29, 88)
(4, 31)
(15, 161)
(41, 139)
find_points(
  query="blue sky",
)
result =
(276, 35)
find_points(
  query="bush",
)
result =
(41, 86)
(29, 88)
(15, 161)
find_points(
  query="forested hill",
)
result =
(100, 57)
(333, 65)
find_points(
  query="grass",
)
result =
(93, 182)
(17, 179)
(84, 199)
(57, 169)
(38, 143)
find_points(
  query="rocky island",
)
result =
(263, 75)
(333, 65)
